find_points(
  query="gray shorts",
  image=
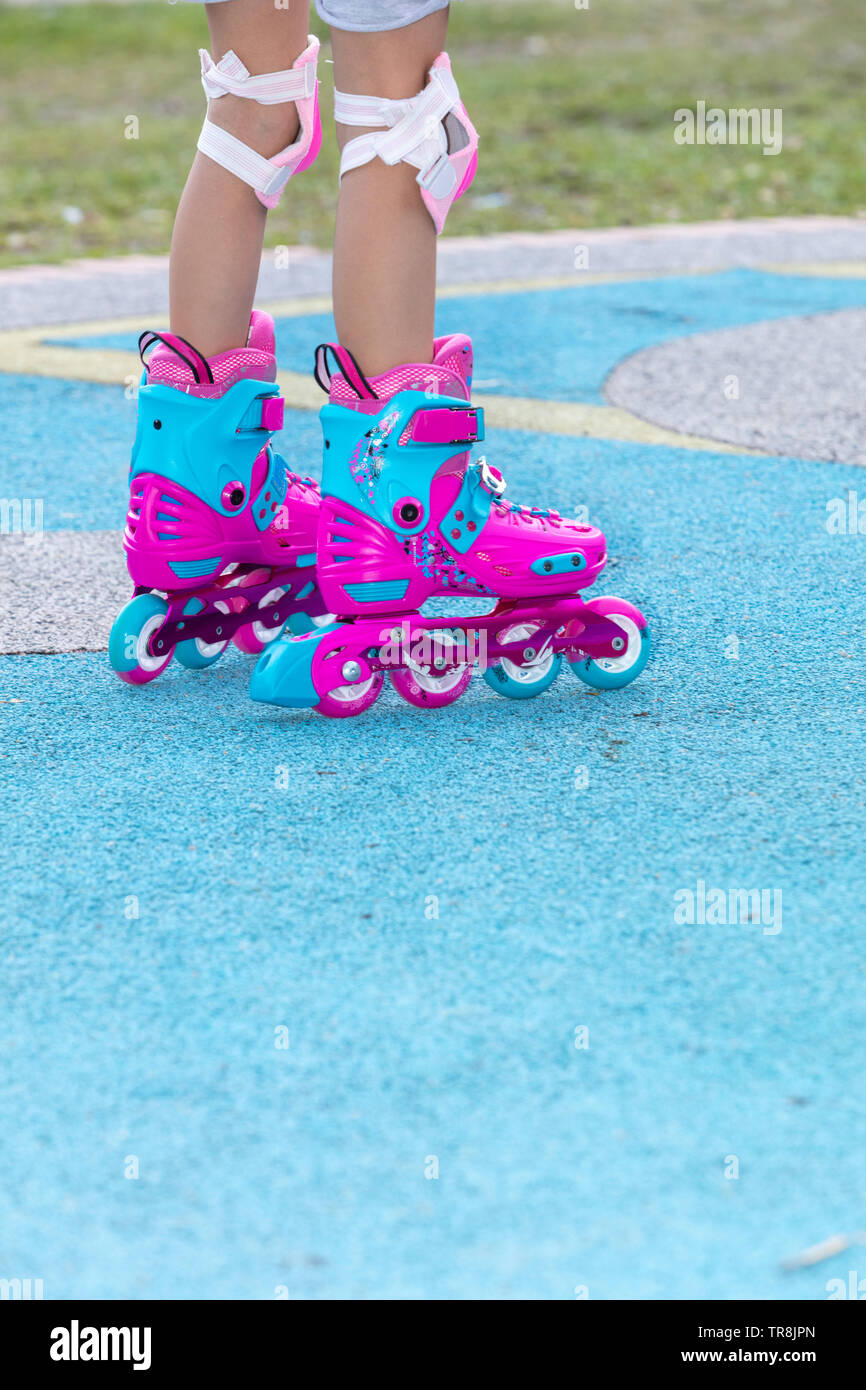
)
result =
(367, 16)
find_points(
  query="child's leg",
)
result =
(219, 230)
(385, 240)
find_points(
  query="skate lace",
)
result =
(515, 513)
(299, 480)
(545, 518)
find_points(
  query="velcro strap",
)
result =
(269, 89)
(425, 113)
(448, 424)
(414, 124)
(350, 109)
(241, 160)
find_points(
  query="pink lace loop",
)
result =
(197, 363)
(348, 367)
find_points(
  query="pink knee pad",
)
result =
(299, 83)
(431, 131)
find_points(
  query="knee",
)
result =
(265, 129)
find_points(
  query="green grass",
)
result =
(575, 110)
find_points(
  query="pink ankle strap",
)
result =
(448, 424)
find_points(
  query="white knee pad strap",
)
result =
(299, 84)
(431, 131)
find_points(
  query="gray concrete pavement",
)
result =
(139, 284)
(794, 387)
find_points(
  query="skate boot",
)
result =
(406, 516)
(220, 535)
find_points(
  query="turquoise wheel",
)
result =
(129, 642)
(529, 677)
(196, 654)
(613, 672)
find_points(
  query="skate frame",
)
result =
(563, 624)
(210, 625)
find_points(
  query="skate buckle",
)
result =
(448, 424)
(491, 478)
(273, 412)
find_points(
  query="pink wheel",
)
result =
(348, 700)
(428, 688)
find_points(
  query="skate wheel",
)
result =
(613, 672)
(427, 688)
(348, 700)
(196, 654)
(523, 680)
(254, 637)
(129, 650)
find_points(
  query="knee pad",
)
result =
(431, 131)
(268, 177)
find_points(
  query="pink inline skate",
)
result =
(220, 535)
(406, 516)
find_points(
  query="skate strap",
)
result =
(448, 424)
(347, 366)
(245, 163)
(197, 363)
(273, 413)
(263, 413)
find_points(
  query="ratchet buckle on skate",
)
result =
(449, 424)
(491, 479)
(273, 413)
(262, 413)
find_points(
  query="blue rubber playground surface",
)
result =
(404, 1006)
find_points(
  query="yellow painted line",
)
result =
(592, 422)
(828, 270)
(541, 417)
(25, 351)
(576, 280)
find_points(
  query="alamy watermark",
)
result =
(703, 906)
(846, 516)
(21, 516)
(432, 650)
(15, 1290)
(739, 125)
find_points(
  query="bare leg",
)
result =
(219, 230)
(385, 241)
